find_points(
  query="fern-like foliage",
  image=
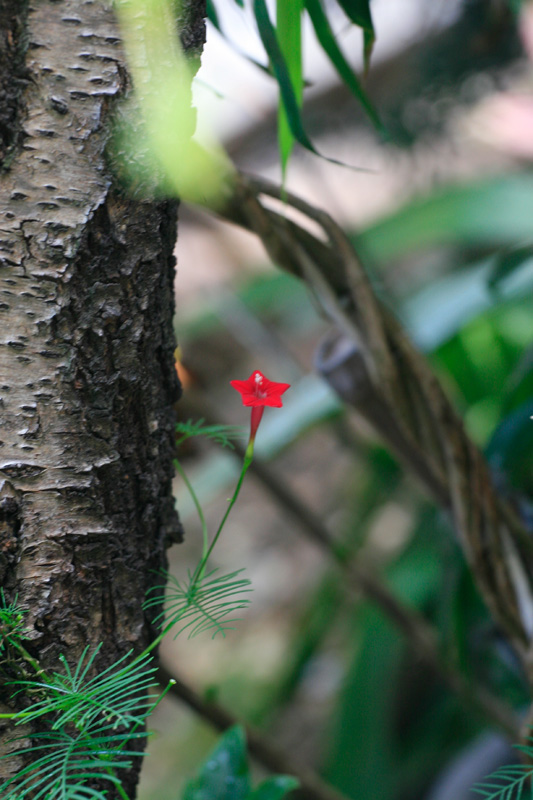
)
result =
(203, 603)
(89, 725)
(513, 782)
(12, 628)
(223, 434)
(114, 694)
(63, 763)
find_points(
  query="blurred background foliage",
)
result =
(443, 220)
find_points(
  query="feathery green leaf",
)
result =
(223, 434)
(92, 721)
(114, 694)
(202, 603)
(12, 628)
(507, 783)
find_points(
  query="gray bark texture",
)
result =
(87, 379)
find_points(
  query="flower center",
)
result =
(258, 378)
(258, 381)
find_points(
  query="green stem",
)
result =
(200, 569)
(154, 644)
(196, 503)
(120, 790)
(15, 714)
(26, 656)
(167, 688)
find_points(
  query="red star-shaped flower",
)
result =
(259, 392)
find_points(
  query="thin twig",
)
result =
(259, 745)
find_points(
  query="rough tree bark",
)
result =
(87, 381)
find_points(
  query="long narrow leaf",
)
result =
(270, 43)
(213, 18)
(359, 13)
(290, 103)
(212, 15)
(289, 29)
(329, 44)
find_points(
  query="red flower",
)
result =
(259, 392)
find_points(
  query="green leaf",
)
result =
(359, 13)
(507, 783)
(327, 40)
(225, 774)
(67, 764)
(289, 30)
(271, 44)
(495, 212)
(222, 434)
(274, 788)
(506, 263)
(76, 698)
(213, 17)
(288, 97)
(519, 388)
(212, 14)
(201, 603)
(397, 739)
(158, 121)
(511, 446)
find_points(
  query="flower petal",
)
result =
(260, 391)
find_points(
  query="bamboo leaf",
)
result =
(329, 44)
(358, 11)
(271, 44)
(212, 15)
(289, 29)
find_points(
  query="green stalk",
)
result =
(15, 714)
(200, 569)
(26, 656)
(120, 789)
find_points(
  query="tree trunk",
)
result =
(87, 379)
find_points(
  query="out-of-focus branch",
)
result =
(412, 412)
(312, 787)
